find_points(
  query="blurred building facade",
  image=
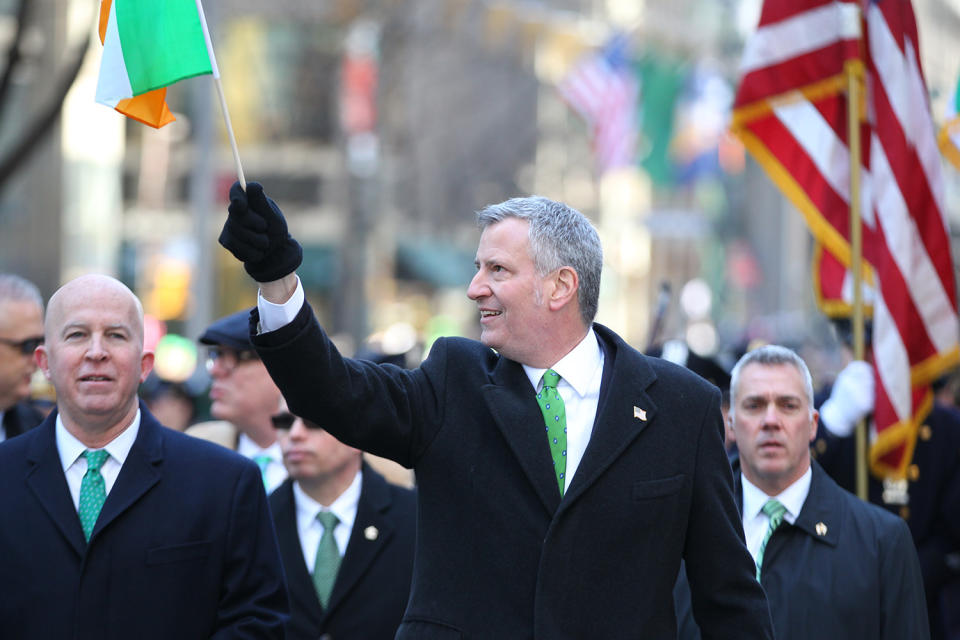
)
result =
(381, 125)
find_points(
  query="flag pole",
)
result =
(223, 100)
(853, 71)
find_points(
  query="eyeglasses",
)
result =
(229, 358)
(284, 421)
(26, 347)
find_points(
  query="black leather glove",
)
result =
(256, 233)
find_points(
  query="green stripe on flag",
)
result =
(162, 42)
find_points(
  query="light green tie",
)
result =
(263, 461)
(93, 491)
(775, 511)
(328, 559)
(555, 417)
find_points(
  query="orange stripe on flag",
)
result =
(149, 108)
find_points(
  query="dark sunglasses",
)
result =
(285, 420)
(26, 347)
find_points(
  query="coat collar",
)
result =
(46, 479)
(511, 401)
(821, 516)
(372, 531)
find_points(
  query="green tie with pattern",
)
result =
(775, 511)
(93, 491)
(263, 461)
(555, 417)
(328, 559)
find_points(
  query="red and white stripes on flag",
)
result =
(791, 113)
(602, 88)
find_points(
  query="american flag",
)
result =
(790, 112)
(602, 88)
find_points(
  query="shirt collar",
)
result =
(344, 507)
(792, 497)
(70, 448)
(577, 367)
(249, 449)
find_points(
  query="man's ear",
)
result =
(42, 360)
(731, 435)
(565, 285)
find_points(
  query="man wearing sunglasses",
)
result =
(346, 537)
(243, 396)
(21, 331)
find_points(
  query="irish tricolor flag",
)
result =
(950, 132)
(147, 46)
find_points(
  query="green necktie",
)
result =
(93, 491)
(328, 559)
(555, 417)
(263, 461)
(775, 511)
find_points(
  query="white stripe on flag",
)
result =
(826, 150)
(113, 85)
(906, 93)
(910, 254)
(803, 33)
(891, 360)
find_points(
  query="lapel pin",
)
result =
(639, 414)
(821, 529)
(371, 533)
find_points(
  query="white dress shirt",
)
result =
(311, 530)
(273, 316)
(581, 372)
(275, 473)
(756, 522)
(74, 463)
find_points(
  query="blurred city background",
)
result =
(380, 126)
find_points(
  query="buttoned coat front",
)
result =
(499, 553)
(183, 547)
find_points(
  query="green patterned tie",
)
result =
(93, 491)
(775, 511)
(328, 559)
(555, 417)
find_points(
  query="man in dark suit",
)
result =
(351, 579)
(832, 565)
(21, 331)
(563, 516)
(115, 526)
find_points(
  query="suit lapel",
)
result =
(139, 473)
(371, 532)
(512, 401)
(623, 399)
(48, 483)
(299, 583)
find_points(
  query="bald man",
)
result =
(114, 526)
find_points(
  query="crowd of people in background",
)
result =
(368, 500)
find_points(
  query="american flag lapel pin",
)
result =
(639, 414)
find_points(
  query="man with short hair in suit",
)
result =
(832, 565)
(563, 516)
(115, 526)
(243, 396)
(21, 331)
(351, 579)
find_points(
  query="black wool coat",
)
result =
(499, 554)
